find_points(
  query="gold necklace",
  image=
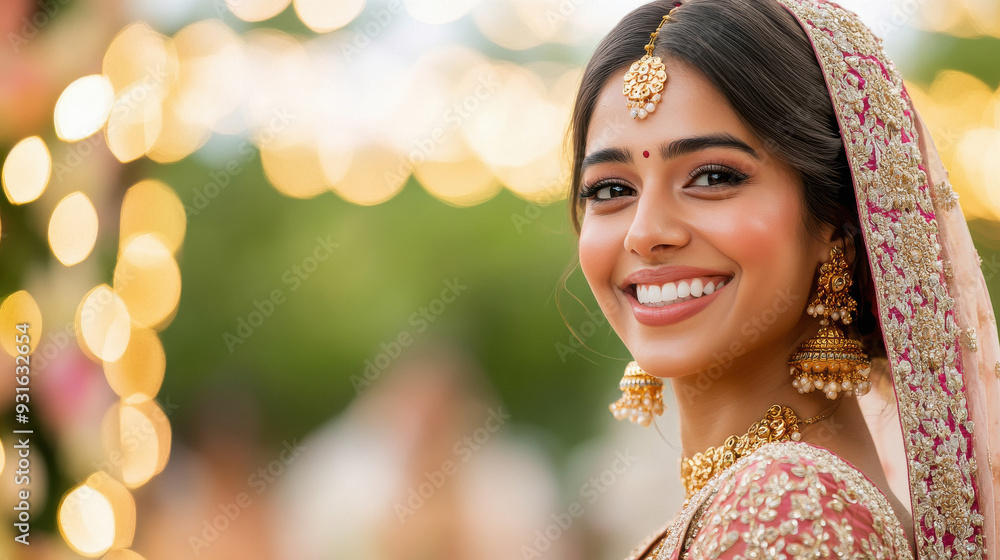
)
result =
(780, 423)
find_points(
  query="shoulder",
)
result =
(796, 500)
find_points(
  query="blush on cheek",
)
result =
(599, 251)
(767, 228)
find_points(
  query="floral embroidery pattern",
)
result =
(787, 500)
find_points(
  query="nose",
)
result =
(657, 226)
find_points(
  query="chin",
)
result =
(668, 364)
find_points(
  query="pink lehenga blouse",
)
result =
(785, 500)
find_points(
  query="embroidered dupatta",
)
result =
(937, 320)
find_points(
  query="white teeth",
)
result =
(675, 292)
(683, 289)
(669, 292)
(654, 294)
(696, 287)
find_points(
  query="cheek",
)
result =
(765, 239)
(600, 246)
(767, 232)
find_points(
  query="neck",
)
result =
(714, 407)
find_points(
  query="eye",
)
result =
(717, 175)
(605, 190)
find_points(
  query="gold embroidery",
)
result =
(916, 312)
(946, 195)
(948, 269)
(970, 339)
(822, 522)
(996, 370)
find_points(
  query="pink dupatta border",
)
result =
(936, 316)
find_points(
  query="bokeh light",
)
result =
(439, 11)
(137, 430)
(294, 170)
(212, 77)
(73, 228)
(256, 10)
(87, 521)
(135, 123)
(19, 308)
(961, 112)
(139, 56)
(97, 515)
(103, 325)
(375, 175)
(322, 16)
(123, 554)
(140, 369)
(26, 170)
(150, 206)
(83, 107)
(466, 182)
(148, 281)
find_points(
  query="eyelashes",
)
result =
(590, 190)
(713, 176)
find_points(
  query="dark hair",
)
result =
(758, 57)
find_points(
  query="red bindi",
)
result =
(645, 153)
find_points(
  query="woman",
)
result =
(765, 222)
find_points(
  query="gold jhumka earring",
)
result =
(831, 362)
(646, 78)
(642, 396)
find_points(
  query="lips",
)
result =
(665, 274)
(668, 295)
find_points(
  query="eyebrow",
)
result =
(673, 149)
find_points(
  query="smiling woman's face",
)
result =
(694, 241)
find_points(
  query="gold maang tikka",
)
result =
(831, 362)
(646, 78)
(642, 396)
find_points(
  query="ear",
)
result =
(836, 237)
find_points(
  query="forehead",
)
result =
(690, 106)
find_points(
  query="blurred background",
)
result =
(291, 272)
